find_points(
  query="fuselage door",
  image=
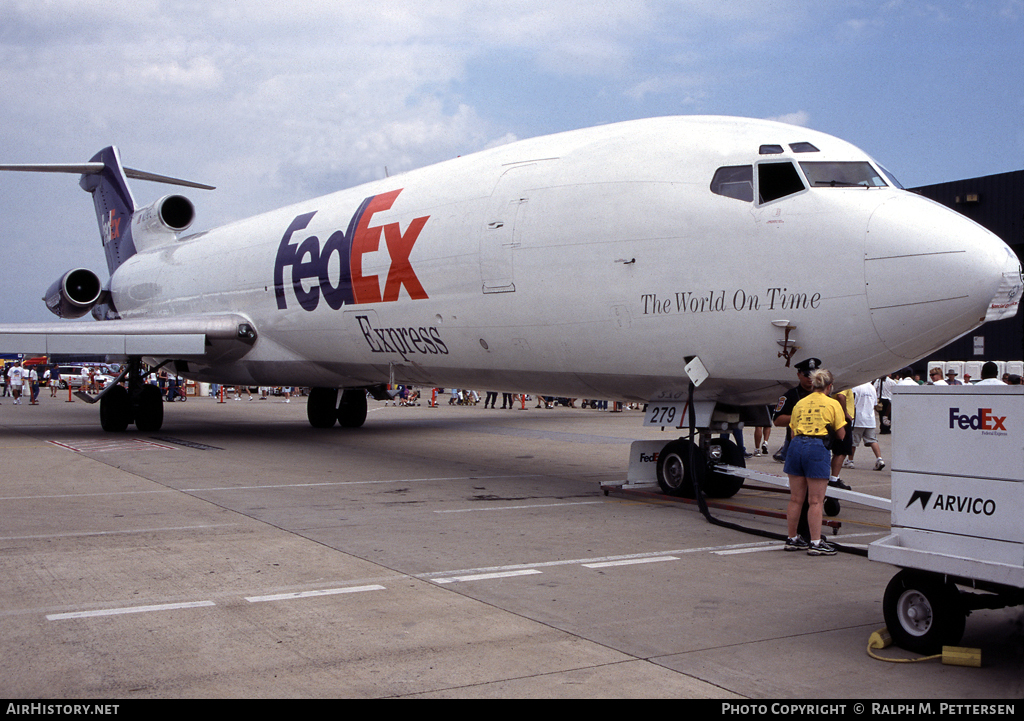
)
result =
(496, 249)
(498, 239)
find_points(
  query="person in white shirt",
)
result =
(989, 375)
(863, 429)
(935, 377)
(906, 378)
(15, 378)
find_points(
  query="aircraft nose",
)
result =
(933, 275)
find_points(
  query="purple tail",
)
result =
(114, 206)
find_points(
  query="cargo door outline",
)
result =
(498, 239)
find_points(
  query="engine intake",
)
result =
(160, 222)
(74, 293)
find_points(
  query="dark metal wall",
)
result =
(995, 202)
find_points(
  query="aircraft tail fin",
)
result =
(114, 206)
(106, 179)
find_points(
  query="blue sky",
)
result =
(273, 103)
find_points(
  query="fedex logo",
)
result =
(111, 227)
(983, 421)
(309, 261)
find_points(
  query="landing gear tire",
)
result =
(723, 485)
(675, 474)
(322, 407)
(923, 612)
(115, 410)
(352, 409)
(149, 410)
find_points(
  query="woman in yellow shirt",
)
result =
(809, 459)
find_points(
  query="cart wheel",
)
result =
(832, 507)
(923, 612)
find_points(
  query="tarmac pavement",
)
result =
(435, 552)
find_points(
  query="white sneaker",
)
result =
(879, 464)
(847, 463)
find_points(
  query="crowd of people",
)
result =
(466, 397)
(21, 382)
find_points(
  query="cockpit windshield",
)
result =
(842, 175)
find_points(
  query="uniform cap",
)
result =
(809, 364)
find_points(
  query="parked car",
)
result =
(78, 376)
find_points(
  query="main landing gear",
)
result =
(324, 409)
(139, 403)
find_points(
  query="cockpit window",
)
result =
(803, 148)
(891, 178)
(770, 150)
(777, 180)
(842, 175)
(734, 181)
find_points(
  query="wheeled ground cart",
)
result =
(957, 528)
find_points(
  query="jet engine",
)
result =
(74, 293)
(161, 221)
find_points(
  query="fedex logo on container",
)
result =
(310, 261)
(983, 421)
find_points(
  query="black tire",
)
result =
(352, 409)
(115, 410)
(149, 410)
(675, 474)
(722, 485)
(923, 612)
(832, 507)
(322, 407)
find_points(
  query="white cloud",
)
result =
(800, 117)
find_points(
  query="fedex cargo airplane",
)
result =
(623, 261)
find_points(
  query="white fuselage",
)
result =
(593, 263)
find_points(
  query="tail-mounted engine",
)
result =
(160, 222)
(74, 293)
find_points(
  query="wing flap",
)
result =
(111, 344)
(159, 337)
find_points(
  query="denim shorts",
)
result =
(808, 457)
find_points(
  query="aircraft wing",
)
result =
(158, 337)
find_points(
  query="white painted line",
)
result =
(313, 594)
(630, 562)
(758, 549)
(132, 609)
(487, 576)
(100, 446)
(518, 508)
(777, 546)
(580, 561)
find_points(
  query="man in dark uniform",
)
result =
(784, 410)
(784, 413)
